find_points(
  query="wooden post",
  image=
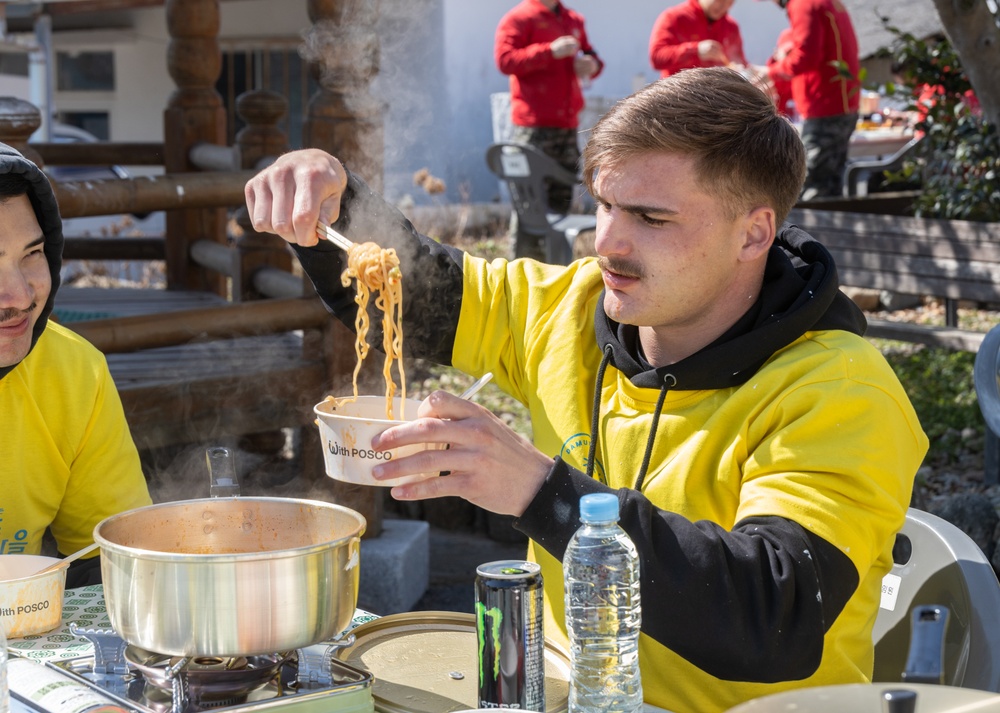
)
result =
(18, 121)
(259, 139)
(194, 114)
(343, 117)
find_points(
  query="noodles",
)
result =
(376, 270)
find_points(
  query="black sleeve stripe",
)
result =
(751, 604)
(432, 274)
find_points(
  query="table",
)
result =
(873, 143)
(85, 608)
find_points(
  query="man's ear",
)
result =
(760, 230)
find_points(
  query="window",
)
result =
(277, 67)
(96, 123)
(85, 71)
(14, 63)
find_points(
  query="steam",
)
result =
(347, 57)
(383, 65)
(183, 474)
(385, 62)
(209, 411)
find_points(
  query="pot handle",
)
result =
(223, 482)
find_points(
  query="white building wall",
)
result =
(143, 82)
(12, 86)
(619, 31)
(258, 18)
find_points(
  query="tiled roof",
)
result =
(918, 17)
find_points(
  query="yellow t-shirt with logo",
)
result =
(67, 459)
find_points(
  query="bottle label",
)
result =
(52, 691)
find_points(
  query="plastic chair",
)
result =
(525, 169)
(938, 564)
(859, 173)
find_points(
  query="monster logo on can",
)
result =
(510, 637)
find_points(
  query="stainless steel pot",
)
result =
(230, 576)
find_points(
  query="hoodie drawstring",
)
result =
(596, 418)
(669, 381)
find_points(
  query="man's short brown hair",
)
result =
(745, 152)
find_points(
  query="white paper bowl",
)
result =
(30, 603)
(346, 435)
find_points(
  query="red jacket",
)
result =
(822, 34)
(544, 91)
(782, 84)
(673, 45)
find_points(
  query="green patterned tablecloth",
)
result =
(85, 608)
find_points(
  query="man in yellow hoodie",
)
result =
(67, 459)
(704, 367)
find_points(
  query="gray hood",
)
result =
(47, 212)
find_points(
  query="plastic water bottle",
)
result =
(603, 613)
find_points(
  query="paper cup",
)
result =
(30, 603)
(346, 435)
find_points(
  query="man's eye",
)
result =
(653, 222)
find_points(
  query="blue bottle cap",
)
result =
(599, 507)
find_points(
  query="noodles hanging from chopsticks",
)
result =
(376, 270)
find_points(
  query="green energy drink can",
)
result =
(509, 631)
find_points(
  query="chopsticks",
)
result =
(328, 233)
(65, 561)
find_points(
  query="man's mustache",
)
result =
(10, 314)
(625, 268)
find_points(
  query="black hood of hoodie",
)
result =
(800, 293)
(47, 212)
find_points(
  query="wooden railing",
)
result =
(201, 191)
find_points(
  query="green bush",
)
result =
(941, 388)
(958, 161)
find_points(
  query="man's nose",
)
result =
(610, 237)
(16, 291)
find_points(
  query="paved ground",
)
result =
(454, 558)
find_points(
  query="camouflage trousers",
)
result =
(826, 141)
(561, 145)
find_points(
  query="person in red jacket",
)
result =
(543, 47)
(822, 64)
(781, 85)
(695, 33)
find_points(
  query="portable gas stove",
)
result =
(307, 680)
